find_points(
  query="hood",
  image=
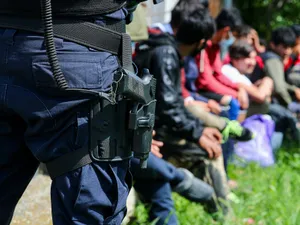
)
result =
(144, 49)
(162, 27)
(156, 40)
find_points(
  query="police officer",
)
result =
(40, 127)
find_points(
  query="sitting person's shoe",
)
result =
(237, 132)
(193, 188)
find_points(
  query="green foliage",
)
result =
(270, 196)
(265, 15)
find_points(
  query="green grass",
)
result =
(271, 196)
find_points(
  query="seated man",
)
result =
(155, 184)
(210, 81)
(182, 7)
(198, 105)
(293, 73)
(248, 34)
(162, 54)
(227, 101)
(282, 41)
(243, 61)
(283, 118)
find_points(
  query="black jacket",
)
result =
(159, 54)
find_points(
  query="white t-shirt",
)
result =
(234, 75)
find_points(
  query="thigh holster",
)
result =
(120, 125)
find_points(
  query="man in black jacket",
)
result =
(162, 54)
(182, 133)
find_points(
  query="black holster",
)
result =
(120, 125)
(125, 125)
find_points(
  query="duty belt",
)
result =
(109, 38)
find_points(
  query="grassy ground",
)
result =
(271, 196)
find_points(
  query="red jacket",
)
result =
(293, 61)
(210, 76)
(226, 59)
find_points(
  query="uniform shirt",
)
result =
(76, 9)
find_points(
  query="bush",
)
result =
(265, 15)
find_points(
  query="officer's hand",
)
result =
(213, 148)
(155, 148)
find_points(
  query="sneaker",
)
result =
(193, 188)
(237, 132)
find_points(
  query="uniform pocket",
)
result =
(81, 72)
(122, 187)
(88, 70)
(97, 194)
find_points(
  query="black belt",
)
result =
(109, 39)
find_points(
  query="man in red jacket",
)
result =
(211, 82)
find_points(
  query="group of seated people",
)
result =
(211, 75)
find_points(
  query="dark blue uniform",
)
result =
(38, 128)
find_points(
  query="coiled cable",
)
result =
(46, 12)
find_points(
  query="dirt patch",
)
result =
(34, 207)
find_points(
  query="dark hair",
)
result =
(240, 49)
(263, 42)
(242, 30)
(284, 36)
(229, 17)
(296, 29)
(196, 26)
(183, 8)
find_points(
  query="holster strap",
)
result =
(68, 162)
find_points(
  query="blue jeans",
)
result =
(284, 120)
(36, 127)
(294, 107)
(154, 186)
(276, 141)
